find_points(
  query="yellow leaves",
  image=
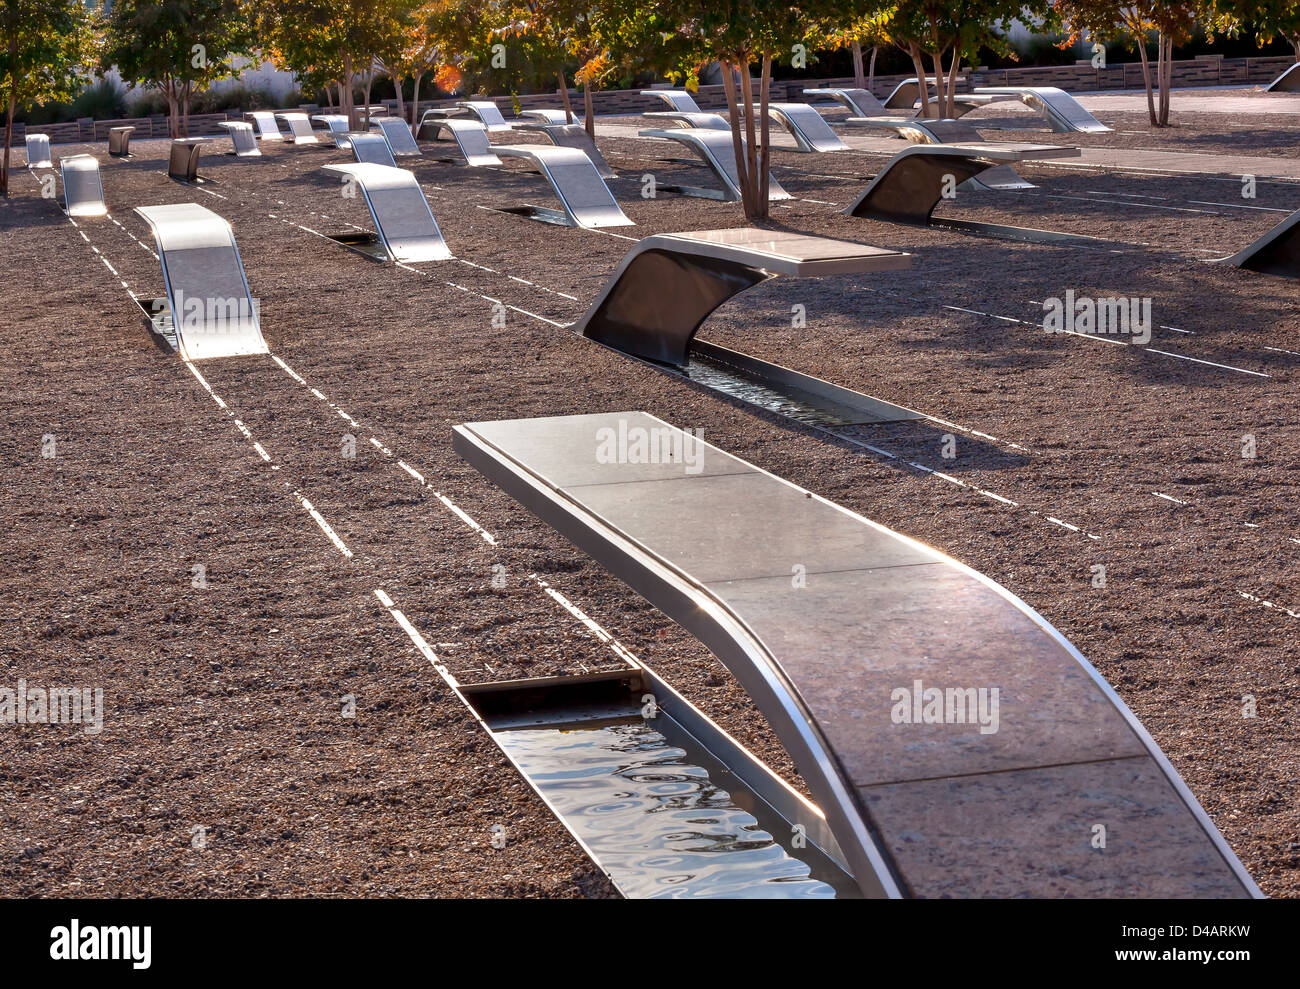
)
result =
(594, 69)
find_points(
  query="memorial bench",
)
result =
(717, 150)
(299, 128)
(208, 301)
(956, 743)
(583, 194)
(83, 191)
(242, 139)
(406, 229)
(119, 141)
(471, 137)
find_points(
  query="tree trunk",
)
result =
(345, 90)
(737, 142)
(589, 109)
(173, 110)
(919, 68)
(415, 101)
(871, 70)
(859, 77)
(186, 92)
(1167, 91)
(564, 96)
(397, 85)
(1146, 76)
(370, 81)
(765, 142)
(940, 90)
(952, 82)
(9, 137)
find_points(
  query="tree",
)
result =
(1171, 22)
(44, 47)
(179, 46)
(1270, 19)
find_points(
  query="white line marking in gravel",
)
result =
(1269, 604)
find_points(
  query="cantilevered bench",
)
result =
(809, 130)
(487, 113)
(183, 159)
(372, 149)
(586, 199)
(859, 102)
(38, 151)
(878, 665)
(907, 94)
(717, 150)
(689, 118)
(471, 138)
(242, 139)
(677, 99)
(912, 183)
(83, 192)
(548, 116)
(299, 128)
(668, 284)
(406, 229)
(119, 141)
(267, 128)
(923, 130)
(339, 126)
(572, 136)
(1062, 111)
(1275, 253)
(210, 306)
(1287, 82)
(398, 135)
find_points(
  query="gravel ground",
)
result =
(224, 704)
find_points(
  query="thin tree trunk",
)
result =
(765, 129)
(919, 68)
(737, 142)
(186, 91)
(564, 96)
(871, 71)
(940, 91)
(9, 137)
(370, 81)
(397, 85)
(345, 90)
(952, 82)
(1146, 77)
(751, 141)
(589, 110)
(859, 77)
(1169, 80)
(415, 101)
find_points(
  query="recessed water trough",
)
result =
(660, 797)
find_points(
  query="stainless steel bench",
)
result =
(717, 150)
(372, 149)
(183, 159)
(811, 133)
(299, 128)
(242, 138)
(340, 128)
(401, 143)
(404, 223)
(1062, 111)
(668, 284)
(571, 136)
(955, 742)
(38, 151)
(471, 137)
(1287, 82)
(119, 141)
(1275, 253)
(583, 194)
(487, 113)
(208, 300)
(267, 128)
(83, 191)
(923, 130)
(859, 102)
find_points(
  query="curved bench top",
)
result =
(299, 128)
(808, 128)
(340, 128)
(911, 184)
(876, 664)
(212, 308)
(1287, 82)
(1277, 252)
(38, 151)
(401, 142)
(678, 99)
(689, 118)
(1061, 110)
(718, 151)
(403, 220)
(83, 191)
(586, 198)
(471, 138)
(860, 102)
(488, 113)
(372, 149)
(549, 116)
(267, 128)
(668, 284)
(242, 138)
(571, 136)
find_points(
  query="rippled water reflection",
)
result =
(658, 823)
